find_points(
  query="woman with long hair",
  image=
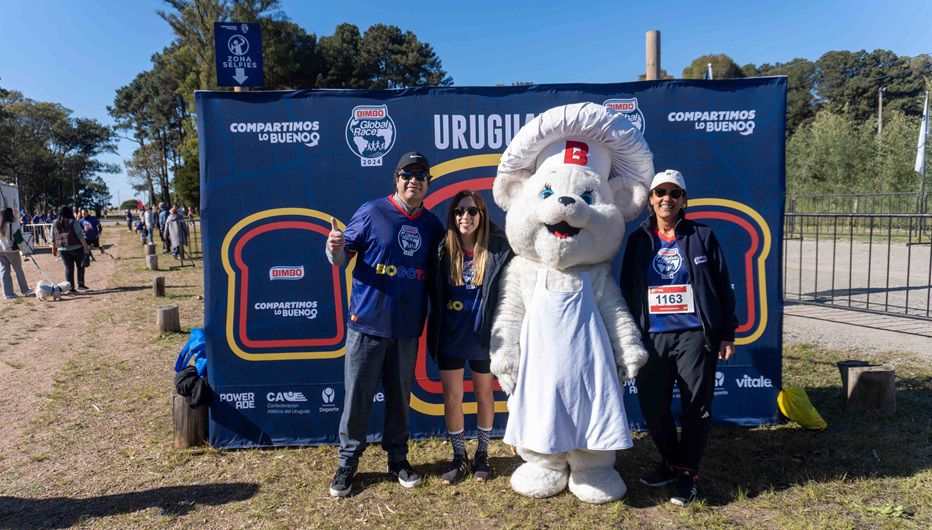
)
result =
(464, 294)
(68, 241)
(10, 236)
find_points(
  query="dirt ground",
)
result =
(86, 439)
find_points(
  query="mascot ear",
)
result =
(630, 196)
(507, 187)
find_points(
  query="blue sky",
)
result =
(78, 53)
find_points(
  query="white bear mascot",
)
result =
(563, 339)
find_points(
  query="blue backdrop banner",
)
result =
(275, 166)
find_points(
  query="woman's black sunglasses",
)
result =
(676, 194)
(472, 211)
(420, 176)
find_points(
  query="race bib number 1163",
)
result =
(669, 299)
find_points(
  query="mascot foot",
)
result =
(597, 486)
(532, 480)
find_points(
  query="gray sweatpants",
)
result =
(11, 262)
(368, 360)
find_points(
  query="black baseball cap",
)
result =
(413, 157)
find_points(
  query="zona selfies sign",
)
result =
(276, 166)
(238, 51)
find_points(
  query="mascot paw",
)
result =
(597, 486)
(507, 383)
(532, 480)
(629, 372)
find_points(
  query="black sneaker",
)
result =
(480, 467)
(661, 476)
(342, 482)
(459, 469)
(404, 474)
(82, 287)
(687, 489)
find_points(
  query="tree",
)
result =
(382, 57)
(723, 67)
(801, 104)
(129, 204)
(829, 155)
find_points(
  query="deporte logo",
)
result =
(281, 132)
(717, 121)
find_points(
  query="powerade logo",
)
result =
(628, 107)
(715, 121)
(370, 134)
(240, 401)
(281, 132)
(754, 382)
(400, 272)
(286, 273)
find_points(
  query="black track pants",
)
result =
(678, 356)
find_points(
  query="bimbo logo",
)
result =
(628, 107)
(754, 382)
(286, 273)
(370, 134)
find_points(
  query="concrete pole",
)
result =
(880, 110)
(653, 55)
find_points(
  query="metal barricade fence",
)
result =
(193, 247)
(40, 234)
(880, 263)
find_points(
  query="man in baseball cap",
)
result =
(394, 237)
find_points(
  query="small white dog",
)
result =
(47, 291)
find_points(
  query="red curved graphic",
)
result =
(244, 289)
(748, 261)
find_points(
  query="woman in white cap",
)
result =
(676, 284)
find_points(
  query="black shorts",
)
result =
(453, 363)
(93, 242)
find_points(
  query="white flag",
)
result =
(923, 134)
(708, 72)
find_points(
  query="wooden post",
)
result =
(143, 239)
(871, 388)
(158, 286)
(653, 55)
(190, 425)
(167, 319)
(150, 249)
(152, 262)
(844, 367)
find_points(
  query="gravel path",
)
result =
(842, 329)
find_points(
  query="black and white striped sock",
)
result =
(484, 434)
(458, 442)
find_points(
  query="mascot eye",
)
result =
(587, 196)
(546, 193)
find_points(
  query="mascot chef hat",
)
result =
(586, 135)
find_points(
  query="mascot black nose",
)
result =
(566, 201)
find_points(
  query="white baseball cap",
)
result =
(672, 176)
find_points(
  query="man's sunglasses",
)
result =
(420, 176)
(661, 192)
(472, 211)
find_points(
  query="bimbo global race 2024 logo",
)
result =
(628, 107)
(370, 134)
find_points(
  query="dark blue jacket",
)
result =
(708, 275)
(500, 254)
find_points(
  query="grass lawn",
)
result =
(99, 454)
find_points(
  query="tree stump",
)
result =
(152, 262)
(150, 249)
(190, 425)
(167, 319)
(158, 286)
(868, 387)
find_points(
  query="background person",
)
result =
(686, 328)
(464, 294)
(392, 238)
(68, 242)
(10, 260)
(176, 233)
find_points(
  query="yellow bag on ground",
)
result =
(795, 405)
